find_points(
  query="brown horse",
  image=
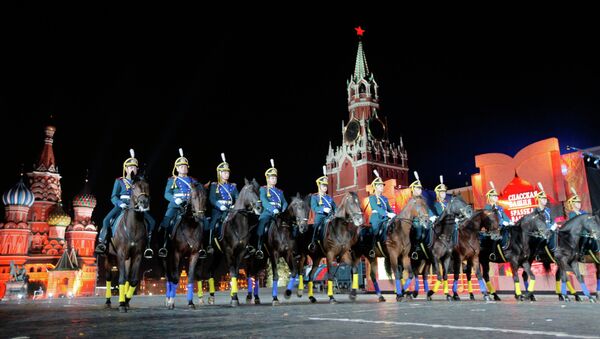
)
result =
(341, 233)
(468, 247)
(398, 245)
(280, 244)
(126, 247)
(186, 242)
(237, 229)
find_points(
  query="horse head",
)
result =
(459, 208)
(534, 224)
(488, 220)
(140, 194)
(350, 210)
(591, 225)
(297, 212)
(416, 209)
(198, 199)
(248, 198)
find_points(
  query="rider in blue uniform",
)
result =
(542, 200)
(417, 191)
(177, 192)
(273, 203)
(222, 196)
(120, 197)
(381, 211)
(574, 205)
(323, 206)
(441, 203)
(492, 205)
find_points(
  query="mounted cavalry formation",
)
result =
(256, 227)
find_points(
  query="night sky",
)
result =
(156, 79)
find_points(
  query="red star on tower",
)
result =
(359, 31)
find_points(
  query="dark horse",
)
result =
(524, 239)
(127, 244)
(237, 228)
(439, 254)
(582, 230)
(341, 233)
(186, 242)
(468, 247)
(280, 244)
(397, 244)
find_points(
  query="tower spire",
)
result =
(47, 162)
(361, 69)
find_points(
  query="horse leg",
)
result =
(469, 274)
(311, 275)
(250, 287)
(301, 276)
(134, 278)
(234, 268)
(485, 263)
(122, 281)
(373, 275)
(482, 288)
(557, 277)
(579, 276)
(291, 262)
(514, 266)
(530, 282)
(274, 261)
(597, 280)
(109, 276)
(440, 278)
(191, 277)
(397, 276)
(347, 259)
(174, 281)
(330, 258)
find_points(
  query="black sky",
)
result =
(156, 79)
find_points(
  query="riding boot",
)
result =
(101, 247)
(149, 253)
(209, 248)
(312, 245)
(372, 251)
(162, 252)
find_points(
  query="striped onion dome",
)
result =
(18, 195)
(58, 216)
(85, 198)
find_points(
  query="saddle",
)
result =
(114, 222)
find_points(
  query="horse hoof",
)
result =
(456, 297)
(592, 300)
(532, 297)
(288, 294)
(496, 297)
(211, 300)
(122, 309)
(249, 298)
(191, 305)
(256, 301)
(471, 296)
(430, 293)
(381, 299)
(566, 298)
(429, 298)
(275, 302)
(448, 297)
(487, 298)
(415, 294)
(201, 301)
(235, 303)
(561, 298)
(332, 300)
(409, 297)
(398, 297)
(577, 298)
(107, 305)
(299, 294)
(352, 295)
(312, 299)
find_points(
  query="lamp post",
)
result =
(144, 277)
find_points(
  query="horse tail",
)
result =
(546, 265)
(388, 267)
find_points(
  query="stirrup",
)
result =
(372, 253)
(163, 252)
(312, 246)
(414, 255)
(259, 254)
(100, 248)
(210, 250)
(148, 253)
(249, 252)
(202, 253)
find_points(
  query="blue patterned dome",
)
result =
(18, 195)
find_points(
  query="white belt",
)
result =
(181, 194)
(374, 212)
(275, 203)
(224, 202)
(125, 197)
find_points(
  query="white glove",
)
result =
(553, 227)
(178, 201)
(326, 209)
(432, 218)
(223, 208)
(275, 211)
(456, 220)
(391, 215)
(505, 223)
(123, 205)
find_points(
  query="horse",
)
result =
(440, 251)
(341, 233)
(576, 237)
(237, 229)
(186, 242)
(127, 244)
(524, 239)
(468, 248)
(280, 244)
(398, 245)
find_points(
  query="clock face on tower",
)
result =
(352, 131)
(376, 128)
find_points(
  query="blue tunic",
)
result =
(502, 217)
(271, 198)
(573, 214)
(380, 207)
(317, 204)
(224, 194)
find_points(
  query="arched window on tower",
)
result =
(362, 88)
